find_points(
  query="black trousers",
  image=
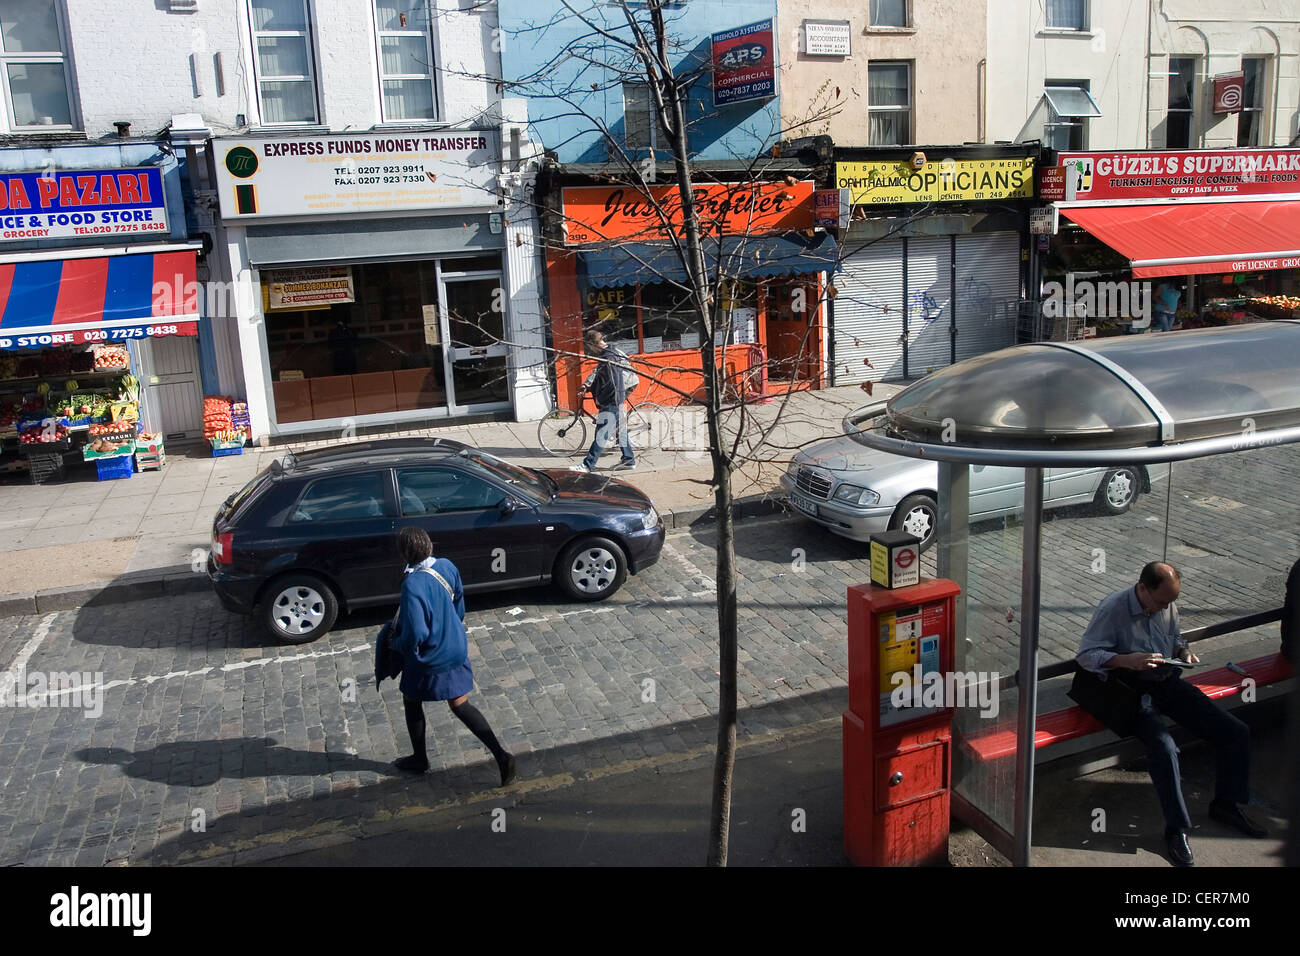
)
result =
(1190, 708)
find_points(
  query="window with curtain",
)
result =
(1180, 119)
(35, 70)
(1250, 121)
(1067, 14)
(286, 81)
(641, 126)
(406, 67)
(889, 104)
(889, 13)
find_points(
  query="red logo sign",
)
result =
(905, 557)
(1229, 92)
(1051, 183)
(1173, 174)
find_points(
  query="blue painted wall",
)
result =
(542, 61)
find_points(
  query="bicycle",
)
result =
(563, 431)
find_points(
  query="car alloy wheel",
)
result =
(592, 569)
(299, 608)
(918, 515)
(1119, 489)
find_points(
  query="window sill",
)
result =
(1063, 34)
(314, 129)
(413, 125)
(55, 137)
(886, 30)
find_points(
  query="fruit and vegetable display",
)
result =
(105, 446)
(216, 416)
(43, 434)
(229, 435)
(111, 357)
(114, 430)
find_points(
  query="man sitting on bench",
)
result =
(1124, 684)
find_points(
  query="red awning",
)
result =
(1197, 238)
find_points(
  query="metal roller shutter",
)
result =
(988, 290)
(929, 304)
(869, 314)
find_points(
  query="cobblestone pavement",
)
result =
(214, 743)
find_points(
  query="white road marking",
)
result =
(19, 665)
(694, 573)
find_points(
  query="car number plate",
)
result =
(803, 504)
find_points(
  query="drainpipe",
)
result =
(981, 75)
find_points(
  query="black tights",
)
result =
(469, 715)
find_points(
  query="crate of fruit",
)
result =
(107, 448)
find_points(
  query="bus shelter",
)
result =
(1206, 420)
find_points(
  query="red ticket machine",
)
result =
(898, 728)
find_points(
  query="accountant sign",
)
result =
(75, 204)
(888, 183)
(366, 172)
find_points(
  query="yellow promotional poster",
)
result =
(883, 183)
(898, 647)
(879, 564)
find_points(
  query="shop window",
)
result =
(889, 13)
(406, 66)
(889, 99)
(344, 498)
(1067, 15)
(1180, 120)
(1070, 106)
(37, 85)
(1250, 121)
(441, 490)
(282, 56)
(641, 126)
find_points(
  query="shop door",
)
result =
(929, 304)
(988, 289)
(474, 325)
(868, 314)
(176, 386)
(793, 350)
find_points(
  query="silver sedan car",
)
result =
(858, 491)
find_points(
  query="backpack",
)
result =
(630, 378)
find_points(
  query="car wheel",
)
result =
(591, 569)
(1118, 491)
(299, 608)
(918, 515)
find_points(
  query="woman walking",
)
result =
(435, 653)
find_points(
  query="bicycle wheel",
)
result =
(562, 432)
(646, 426)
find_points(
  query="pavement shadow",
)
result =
(602, 804)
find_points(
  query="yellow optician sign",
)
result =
(873, 184)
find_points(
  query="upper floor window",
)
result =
(1250, 121)
(36, 87)
(405, 60)
(286, 81)
(889, 13)
(1067, 14)
(889, 104)
(1180, 120)
(1071, 106)
(641, 126)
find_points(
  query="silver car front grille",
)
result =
(812, 484)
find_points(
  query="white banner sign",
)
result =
(826, 37)
(366, 172)
(296, 288)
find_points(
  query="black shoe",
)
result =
(626, 466)
(412, 764)
(1227, 812)
(507, 769)
(1180, 852)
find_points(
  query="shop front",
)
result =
(1210, 237)
(98, 306)
(933, 257)
(384, 294)
(621, 272)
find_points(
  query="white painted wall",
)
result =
(136, 60)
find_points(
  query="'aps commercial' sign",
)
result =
(744, 64)
(72, 204)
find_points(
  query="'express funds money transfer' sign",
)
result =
(872, 184)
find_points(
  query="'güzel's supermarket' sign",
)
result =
(72, 204)
(1166, 174)
(330, 175)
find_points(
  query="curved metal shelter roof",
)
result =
(1132, 398)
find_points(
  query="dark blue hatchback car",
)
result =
(316, 532)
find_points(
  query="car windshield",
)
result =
(534, 481)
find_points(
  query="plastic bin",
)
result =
(44, 469)
(110, 468)
(223, 452)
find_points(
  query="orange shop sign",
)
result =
(639, 213)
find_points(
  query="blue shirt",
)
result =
(431, 635)
(1120, 626)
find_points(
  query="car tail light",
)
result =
(223, 548)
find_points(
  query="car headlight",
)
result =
(650, 519)
(793, 470)
(853, 495)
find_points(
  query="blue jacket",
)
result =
(431, 633)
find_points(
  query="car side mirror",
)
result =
(507, 506)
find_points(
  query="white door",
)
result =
(176, 386)
(869, 314)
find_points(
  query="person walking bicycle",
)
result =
(609, 391)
